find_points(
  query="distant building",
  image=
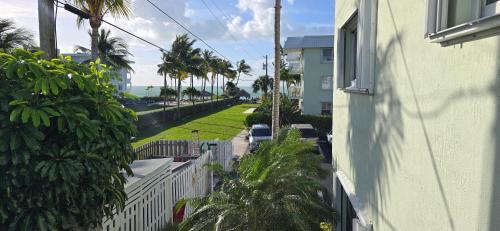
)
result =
(312, 58)
(122, 84)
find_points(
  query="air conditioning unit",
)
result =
(358, 226)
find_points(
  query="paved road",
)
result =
(240, 144)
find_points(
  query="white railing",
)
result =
(192, 181)
(149, 204)
(183, 150)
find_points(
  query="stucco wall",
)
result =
(314, 69)
(424, 151)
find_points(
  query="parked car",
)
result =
(329, 137)
(257, 134)
(307, 132)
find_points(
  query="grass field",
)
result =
(222, 125)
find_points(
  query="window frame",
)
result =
(480, 25)
(323, 60)
(326, 111)
(330, 83)
(365, 57)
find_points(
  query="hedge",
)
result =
(152, 118)
(322, 123)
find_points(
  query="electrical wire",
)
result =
(225, 28)
(189, 31)
(121, 29)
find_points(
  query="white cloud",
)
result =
(291, 2)
(261, 23)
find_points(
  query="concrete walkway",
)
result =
(240, 144)
(249, 111)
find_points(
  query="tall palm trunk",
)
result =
(238, 79)
(192, 90)
(217, 87)
(165, 97)
(212, 93)
(179, 82)
(223, 86)
(95, 24)
(277, 62)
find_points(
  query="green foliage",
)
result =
(64, 141)
(258, 118)
(191, 91)
(170, 92)
(274, 189)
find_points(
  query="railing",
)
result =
(294, 92)
(295, 68)
(184, 150)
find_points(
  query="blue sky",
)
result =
(242, 29)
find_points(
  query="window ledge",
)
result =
(356, 91)
(467, 31)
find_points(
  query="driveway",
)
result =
(240, 144)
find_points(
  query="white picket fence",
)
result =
(156, 187)
(192, 181)
(149, 204)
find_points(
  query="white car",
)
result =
(329, 137)
(258, 133)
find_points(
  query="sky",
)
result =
(240, 29)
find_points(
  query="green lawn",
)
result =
(222, 125)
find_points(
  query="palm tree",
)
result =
(97, 9)
(12, 37)
(272, 189)
(165, 68)
(264, 84)
(194, 67)
(113, 51)
(208, 57)
(184, 58)
(242, 67)
(277, 60)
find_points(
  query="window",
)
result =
(326, 108)
(351, 214)
(356, 42)
(327, 55)
(326, 83)
(452, 21)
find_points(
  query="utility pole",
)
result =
(47, 28)
(265, 66)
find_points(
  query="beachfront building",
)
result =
(416, 143)
(122, 83)
(312, 58)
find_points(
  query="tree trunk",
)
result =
(212, 93)
(179, 82)
(223, 86)
(283, 87)
(277, 62)
(238, 79)
(165, 98)
(94, 40)
(217, 87)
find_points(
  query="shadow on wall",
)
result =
(494, 215)
(378, 137)
(376, 133)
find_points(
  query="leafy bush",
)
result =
(64, 142)
(272, 189)
(258, 118)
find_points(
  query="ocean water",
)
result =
(142, 92)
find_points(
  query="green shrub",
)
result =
(258, 118)
(64, 142)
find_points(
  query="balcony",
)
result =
(295, 68)
(294, 92)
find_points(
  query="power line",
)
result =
(85, 15)
(225, 15)
(189, 31)
(224, 27)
